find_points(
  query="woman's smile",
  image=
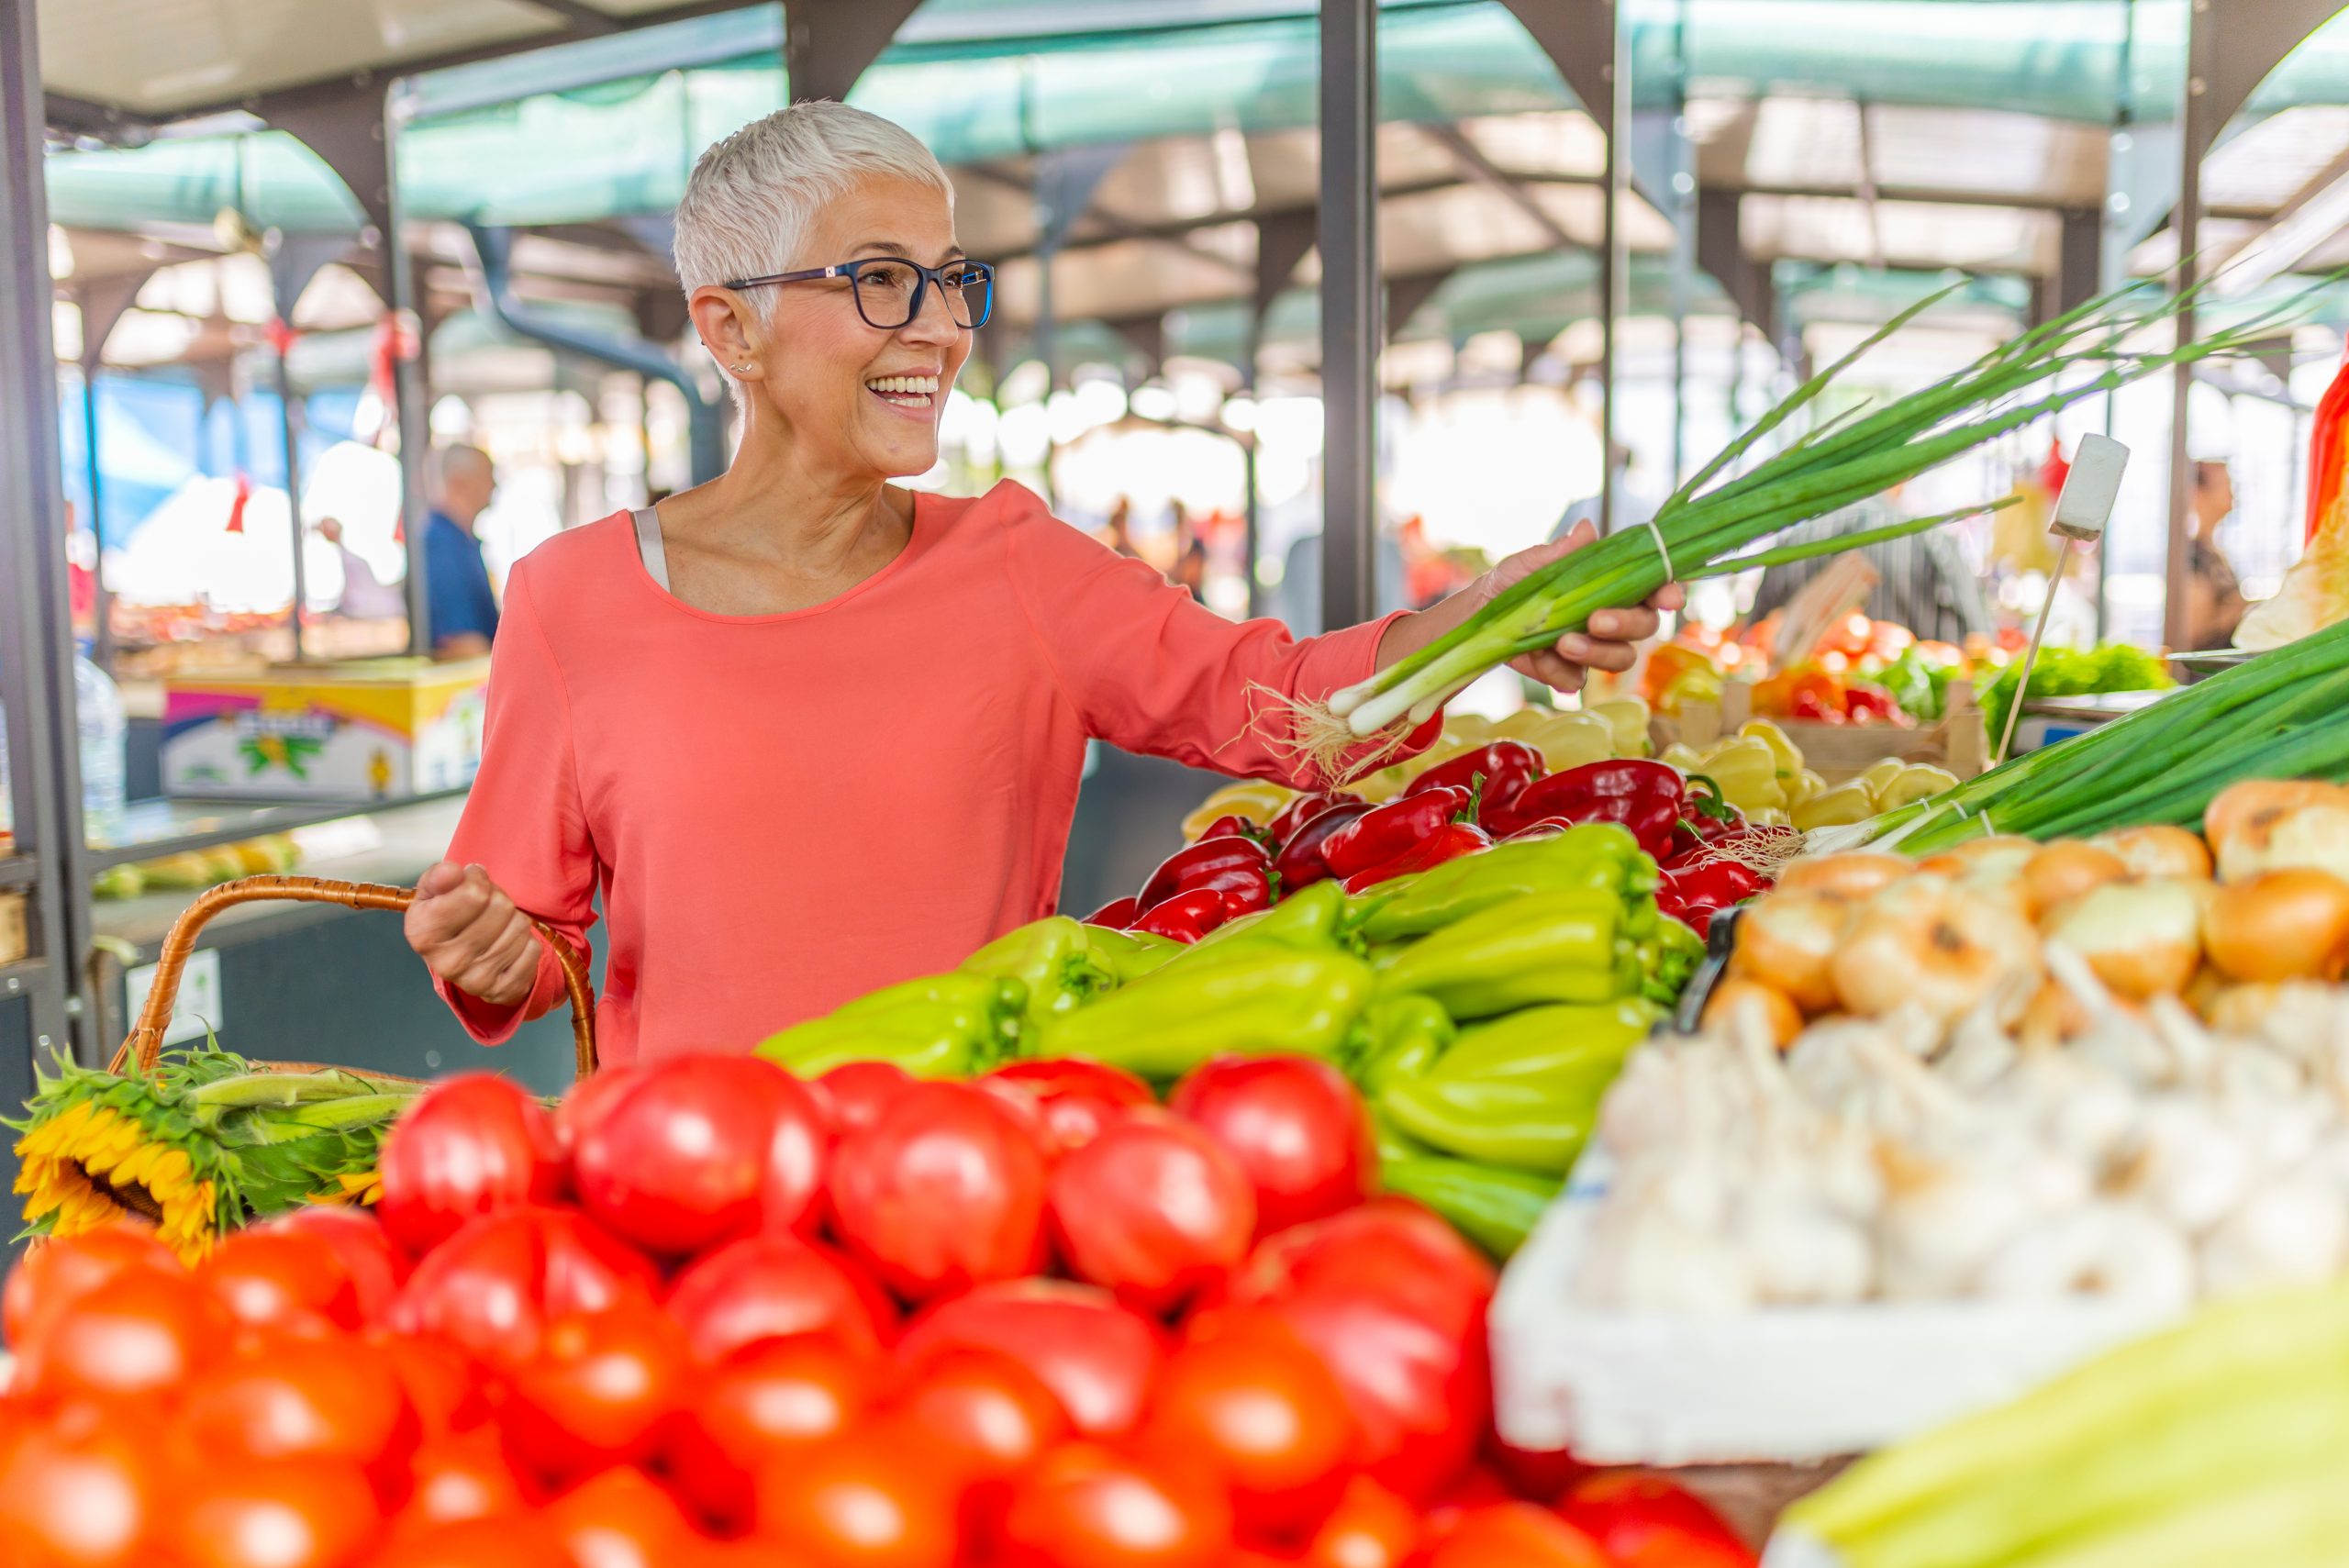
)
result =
(915, 394)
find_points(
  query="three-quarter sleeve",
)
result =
(525, 821)
(1150, 669)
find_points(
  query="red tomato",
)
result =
(460, 1478)
(620, 1519)
(1079, 1099)
(858, 1092)
(289, 1513)
(1514, 1535)
(861, 1501)
(505, 1540)
(945, 1191)
(1393, 1303)
(1646, 1521)
(772, 1287)
(586, 1102)
(55, 1274)
(1262, 1411)
(74, 1493)
(375, 1265)
(469, 1146)
(597, 1390)
(1100, 1358)
(1296, 1125)
(772, 1398)
(1088, 1507)
(490, 1289)
(1154, 1209)
(1533, 1473)
(443, 1391)
(280, 1277)
(286, 1396)
(994, 1414)
(1369, 1528)
(700, 1149)
(143, 1330)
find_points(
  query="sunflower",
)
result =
(199, 1146)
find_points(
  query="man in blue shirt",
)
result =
(461, 612)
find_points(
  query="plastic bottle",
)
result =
(97, 707)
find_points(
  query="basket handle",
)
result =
(146, 1042)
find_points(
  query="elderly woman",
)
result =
(809, 732)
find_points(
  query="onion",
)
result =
(2267, 824)
(2143, 939)
(2063, 871)
(2242, 1009)
(1854, 874)
(2279, 924)
(1942, 948)
(2002, 850)
(2053, 1015)
(1787, 941)
(1735, 998)
(2158, 851)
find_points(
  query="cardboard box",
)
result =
(370, 729)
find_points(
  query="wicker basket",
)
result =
(146, 1042)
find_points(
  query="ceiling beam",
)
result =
(828, 44)
(580, 19)
(1115, 226)
(1485, 171)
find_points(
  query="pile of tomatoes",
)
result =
(705, 1313)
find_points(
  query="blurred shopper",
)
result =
(365, 596)
(2214, 602)
(1190, 568)
(1119, 527)
(461, 609)
(81, 576)
(1923, 581)
(668, 709)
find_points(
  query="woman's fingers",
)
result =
(1625, 626)
(1545, 666)
(470, 934)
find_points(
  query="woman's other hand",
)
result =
(1609, 642)
(471, 935)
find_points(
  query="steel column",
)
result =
(409, 393)
(1350, 331)
(2201, 57)
(1615, 271)
(35, 630)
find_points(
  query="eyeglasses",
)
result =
(889, 291)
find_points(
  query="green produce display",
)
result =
(1481, 1006)
(2224, 1440)
(2073, 672)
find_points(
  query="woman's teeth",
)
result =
(906, 391)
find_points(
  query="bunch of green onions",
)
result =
(1845, 460)
(2278, 715)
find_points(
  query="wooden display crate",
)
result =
(1841, 752)
(15, 941)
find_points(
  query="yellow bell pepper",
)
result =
(1770, 817)
(1524, 724)
(1571, 740)
(1834, 807)
(1471, 729)
(1254, 799)
(1917, 780)
(1387, 782)
(1782, 746)
(1878, 775)
(1685, 757)
(1627, 718)
(1747, 772)
(1803, 786)
(1700, 683)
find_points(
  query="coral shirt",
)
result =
(785, 811)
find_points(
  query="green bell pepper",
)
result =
(1246, 998)
(1536, 949)
(1496, 1209)
(1050, 957)
(1308, 918)
(1668, 960)
(1127, 956)
(1522, 1092)
(1601, 856)
(956, 988)
(1401, 1036)
(929, 1039)
(1392, 1142)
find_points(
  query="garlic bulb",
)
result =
(2295, 1229)
(2100, 1249)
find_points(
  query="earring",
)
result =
(743, 368)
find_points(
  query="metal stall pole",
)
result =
(408, 373)
(289, 425)
(36, 632)
(2202, 53)
(1351, 329)
(1615, 270)
(1684, 244)
(102, 605)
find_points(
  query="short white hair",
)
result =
(749, 202)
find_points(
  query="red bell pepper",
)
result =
(1244, 893)
(1118, 914)
(1448, 842)
(1867, 702)
(1379, 836)
(1211, 862)
(1231, 826)
(1646, 796)
(1186, 917)
(1498, 773)
(1299, 863)
(1304, 809)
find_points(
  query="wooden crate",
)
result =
(14, 941)
(1841, 752)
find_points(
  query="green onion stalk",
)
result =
(1700, 532)
(2276, 715)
